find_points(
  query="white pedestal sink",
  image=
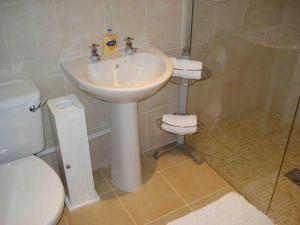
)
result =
(122, 80)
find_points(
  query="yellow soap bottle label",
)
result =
(110, 44)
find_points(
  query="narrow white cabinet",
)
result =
(67, 118)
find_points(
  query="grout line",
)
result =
(173, 188)
(169, 213)
(186, 204)
(106, 181)
(119, 200)
(158, 108)
(124, 207)
(48, 76)
(151, 164)
(105, 25)
(158, 173)
(16, 3)
(165, 179)
(65, 219)
(105, 192)
(172, 49)
(146, 21)
(169, 167)
(210, 194)
(57, 33)
(148, 160)
(58, 39)
(184, 161)
(9, 52)
(212, 37)
(244, 15)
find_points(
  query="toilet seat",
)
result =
(31, 193)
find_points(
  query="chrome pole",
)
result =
(189, 11)
(186, 54)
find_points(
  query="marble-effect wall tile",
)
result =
(31, 37)
(97, 111)
(263, 13)
(4, 54)
(164, 23)
(233, 11)
(203, 21)
(51, 87)
(151, 136)
(127, 18)
(224, 54)
(79, 23)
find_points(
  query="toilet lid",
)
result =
(30, 193)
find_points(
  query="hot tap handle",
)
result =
(93, 46)
(128, 39)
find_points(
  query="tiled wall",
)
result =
(252, 48)
(248, 44)
(291, 18)
(36, 34)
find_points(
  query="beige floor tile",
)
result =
(167, 160)
(193, 181)
(105, 171)
(210, 198)
(214, 153)
(147, 170)
(246, 152)
(62, 221)
(250, 162)
(108, 211)
(153, 200)
(285, 207)
(101, 185)
(171, 216)
(147, 167)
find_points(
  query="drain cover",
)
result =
(294, 175)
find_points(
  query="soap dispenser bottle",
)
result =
(110, 43)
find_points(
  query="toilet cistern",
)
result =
(30, 190)
(123, 79)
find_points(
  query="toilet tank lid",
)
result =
(18, 92)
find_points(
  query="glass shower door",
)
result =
(285, 204)
(252, 49)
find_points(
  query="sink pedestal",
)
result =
(121, 79)
(125, 147)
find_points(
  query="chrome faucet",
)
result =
(94, 53)
(129, 49)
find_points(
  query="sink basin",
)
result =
(122, 78)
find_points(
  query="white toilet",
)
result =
(31, 193)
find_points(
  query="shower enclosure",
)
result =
(252, 135)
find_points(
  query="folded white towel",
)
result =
(185, 64)
(194, 75)
(180, 120)
(232, 209)
(179, 130)
(187, 68)
(179, 124)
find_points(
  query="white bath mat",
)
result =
(232, 209)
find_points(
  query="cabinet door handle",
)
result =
(68, 166)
